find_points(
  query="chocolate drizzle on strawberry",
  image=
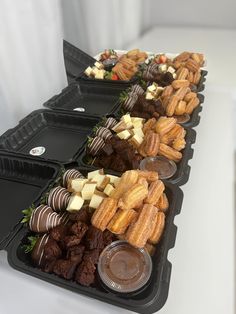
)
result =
(70, 174)
(58, 198)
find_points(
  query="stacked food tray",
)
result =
(98, 175)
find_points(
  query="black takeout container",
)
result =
(76, 61)
(23, 180)
(148, 300)
(194, 117)
(96, 100)
(62, 134)
(183, 168)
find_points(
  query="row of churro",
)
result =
(111, 66)
(171, 88)
(123, 145)
(135, 210)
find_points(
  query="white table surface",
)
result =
(203, 258)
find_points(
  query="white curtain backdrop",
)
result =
(31, 58)
(96, 25)
(31, 33)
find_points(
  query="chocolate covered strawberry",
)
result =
(44, 250)
(95, 146)
(58, 198)
(136, 89)
(104, 133)
(129, 102)
(110, 123)
(70, 174)
(43, 219)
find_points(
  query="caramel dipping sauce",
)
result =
(124, 268)
(166, 168)
(182, 119)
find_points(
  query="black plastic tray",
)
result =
(96, 100)
(201, 85)
(63, 134)
(194, 118)
(22, 182)
(123, 83)
(149, 300)
(183, 168)
(76, 61)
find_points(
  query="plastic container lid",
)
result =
(183, 119)
(166, 168)
(124, 268)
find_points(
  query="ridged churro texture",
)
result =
(154, 192)
(140, 231)
(150, 144)
(150, 176)
(128, 179)
(104, 213)
(159, 226)
(121, 221)
(136, 194)
(162, 204)
(169, 152)
(164, 125)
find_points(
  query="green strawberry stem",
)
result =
(27, 214)
(31, 243)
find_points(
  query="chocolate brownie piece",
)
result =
(75, 253)
(79, 228)
(48, 268)
(118, 164)
(92, 255)
(59, 232)
(107, 237)
(82, 215)
(85, 273)
(107, 149)
(52, 250)
(64, 268)
(94, 238)
(104, 161)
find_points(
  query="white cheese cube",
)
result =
(75, 203)
(124, 135)
(76, 185)
(88, 71)
(133, 119)
(100, 74)
(138, 139)
(108, 189)
(149, 95)
(92, 174)
(162, 68)
(126, 118)
(113, 179)
(120, 126)
(171, 69)
(137, 124)
(152, 88)
(129, 125)
(94, 71)
(101, 180)
(99, 65)
(98, 178)
(138, 131)
(174, 75)
(88, 190)
(96, 200)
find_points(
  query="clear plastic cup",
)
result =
(164, 167)
(124, 268)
